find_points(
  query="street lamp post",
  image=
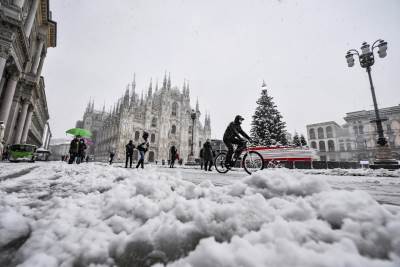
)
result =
(193, 116)
(367, 60)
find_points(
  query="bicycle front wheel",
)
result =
(219, 163)
(252, 162)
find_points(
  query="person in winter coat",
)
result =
(73, 150)
(81, 151)
(2, 129)
(233, 135)
(112, 154)
(201, 156)
(143, 147)
(173, 152)
(129, 153)
(207, 155)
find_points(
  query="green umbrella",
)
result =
(79, 131)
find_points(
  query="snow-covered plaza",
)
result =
(55, 214)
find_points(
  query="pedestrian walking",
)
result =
(143, 147)
(112, 154)
(207, 155)
(73, 150)
(81, 151)
(173, 152)
(201, 156)
(129, 153)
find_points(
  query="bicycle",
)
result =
(252, 161)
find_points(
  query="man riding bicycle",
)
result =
(232, 136)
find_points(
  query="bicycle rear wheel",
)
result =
(219, 163)
(252, 162)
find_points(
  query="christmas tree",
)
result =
(296, 139)
(303, 140)
(267, 127)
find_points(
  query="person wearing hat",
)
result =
(233, 135)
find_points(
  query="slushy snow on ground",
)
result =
(54, 214)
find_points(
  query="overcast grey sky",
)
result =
(225, 49)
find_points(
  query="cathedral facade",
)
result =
(165, 113)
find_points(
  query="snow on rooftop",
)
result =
(96, 215)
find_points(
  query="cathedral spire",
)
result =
(184, 87)
(156, 85)
(141, 99)
(187, 89)
(126, 96)
(150, 92)
(264, 85)
(104, 107)
(169, 81)
(165, 81)
(197, 105)
(92, 106)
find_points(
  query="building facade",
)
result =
(26, 31)
(166, 114)
(356, 139)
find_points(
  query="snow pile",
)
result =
(356, 172)
(97, 215)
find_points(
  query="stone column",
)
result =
(21, 121)
(31, 18)
(19, 3)
(38, 57)
(48, 141)
(2, 65)
(11, 124)
(27, 126)
(45, 133)
(2, 82)
(8, 98)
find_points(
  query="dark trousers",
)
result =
(72, 157)
(141, 160)
(172, 162)
(128, 156)
(241, 144)
(209, 164)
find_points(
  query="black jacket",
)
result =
(173, 151)
(74, 146)
(129, 148)
(207, 151)
(143, 146)
(234, 131)
(82, 146)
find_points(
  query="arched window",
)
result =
(361, 129)
(151, 156)
(190, 129)
(314, 144)
(348, 146)
(320, 133)
(312, 134)
(137, 135)
(199, 143)
(331, 145)
(174, 109)
(322, 146)
(355, 129)
(329, 133)
(341, 147)
(153, 138)
(154, 122)
(173, 129)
